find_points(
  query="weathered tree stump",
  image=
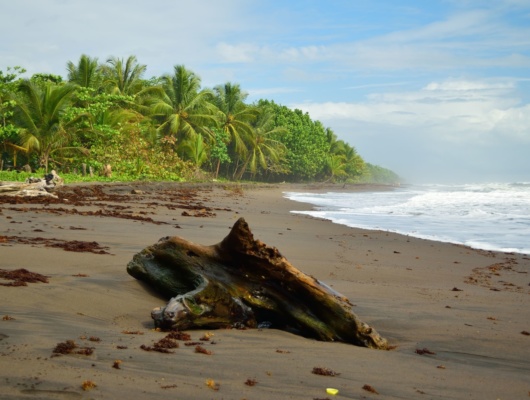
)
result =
(107, 171)
(241, 282)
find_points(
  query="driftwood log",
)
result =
(241, 282)
(33, 187)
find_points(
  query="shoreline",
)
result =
(476, 240)
(467, 306)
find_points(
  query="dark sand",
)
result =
(471, 308)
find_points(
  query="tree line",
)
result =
(165, 128)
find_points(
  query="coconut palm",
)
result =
(355, 165)
(336, 166)
(336, 146)
(183, 109)
(195, 150)
(87, 72)
(38, 114)
(263, 151)
(235, 118)
(123, 76)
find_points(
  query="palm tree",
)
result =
(183, 109)
(335, 146)
(263, 151)
(195, 150)
(39, 113)
(355, 165)
(336, 166)
(87, 72)
(8, 131)
(123, 76)
(235, 117)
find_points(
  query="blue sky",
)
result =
(438, 90)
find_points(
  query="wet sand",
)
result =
(459, 317)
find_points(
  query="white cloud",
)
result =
(303, 54)
(375, 85)
(467, 85)
(456, 26)
(515, 123)
(262, 92)
(447, 130)
(160, 35)
(454, 110)
(462, 39)
(240, 53)
(468, 39)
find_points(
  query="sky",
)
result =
(437, 91)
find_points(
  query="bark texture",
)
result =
(33, 187)
(241, 282)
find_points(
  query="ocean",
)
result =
(487, 216)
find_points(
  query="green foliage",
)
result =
(266, 155)
(305, 141)
(8, 86)
(123, 76)
(8, 131)
(336, 167)
(377, 174)
(86, 74)
(132, 156)
(195, 150)
(39, 114)
(219, 150)
(182, 109)
(94, 114)
(344, 164)
(14, 176)
(43, 79)
(164, 128)
(10, 76)
(234, 117)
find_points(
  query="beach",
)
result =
(457, 318)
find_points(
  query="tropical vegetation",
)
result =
(164, 128)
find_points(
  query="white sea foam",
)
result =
(492, 216)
